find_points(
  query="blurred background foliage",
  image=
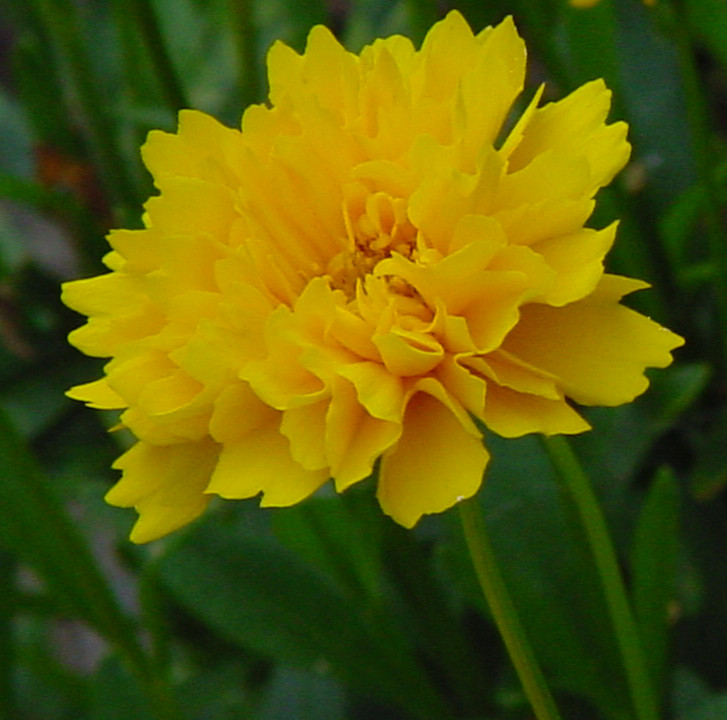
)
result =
(328, 610)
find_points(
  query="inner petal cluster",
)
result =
(377, 225)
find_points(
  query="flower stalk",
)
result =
(578, 489)
(503, 611)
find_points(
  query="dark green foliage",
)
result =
(328, 611)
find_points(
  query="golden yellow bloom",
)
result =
(366, 267)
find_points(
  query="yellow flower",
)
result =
(367, 268)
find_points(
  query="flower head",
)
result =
(369, 266)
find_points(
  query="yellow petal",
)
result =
(102, 295)
(193, 207)
(551, 177)
(169, 394)
(166, 429)
(435, 464)
(166, 485)
(443, 68)
(576, 125)
(238, 411)
(577, 259)
(305, 428)
(129, 376)
(333, 71)
(511, 372)
(496, 310)
(354, 333)
(529, 222)
(466, 387)
(458, 278)
(279, 379)
(139, 248)
(285, 68)
(354, 439)
(407, 354)
(97, 394)
(596, 348)
(512, 414)
(261, 462)
(202, 148)
(485, 105)
(127, 317)
(380, 392)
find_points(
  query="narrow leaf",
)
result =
(654, 560)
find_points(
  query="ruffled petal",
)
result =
(512, 414)
(574, 126)
(577, 259)
(238, 411)
(435, 464)
(596, 348)
(97, 394)
(305, 428)
(354, 439)
(260, 462)
(166, 485)
(379, 392)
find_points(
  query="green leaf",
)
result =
(253, 592)
(370, 19)
(622, 438)
(587, 38)
(15, 150)
(422, 15)
(341, 536)
(218, 691)
(348, 538)
(653, 97)
(709, 473)
(708, 21)
(34, 399)
(290, 20)
(37, 79)
(301, 695)
(34, 524)
(113, 680)
(653, 565)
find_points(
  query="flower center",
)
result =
(377, 225)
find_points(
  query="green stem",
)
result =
(503, 611)
(704, 153)
(593, 525)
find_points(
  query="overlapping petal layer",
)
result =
(366, 266)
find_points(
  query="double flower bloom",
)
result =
(366, 268)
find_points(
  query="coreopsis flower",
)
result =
(374, 264)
